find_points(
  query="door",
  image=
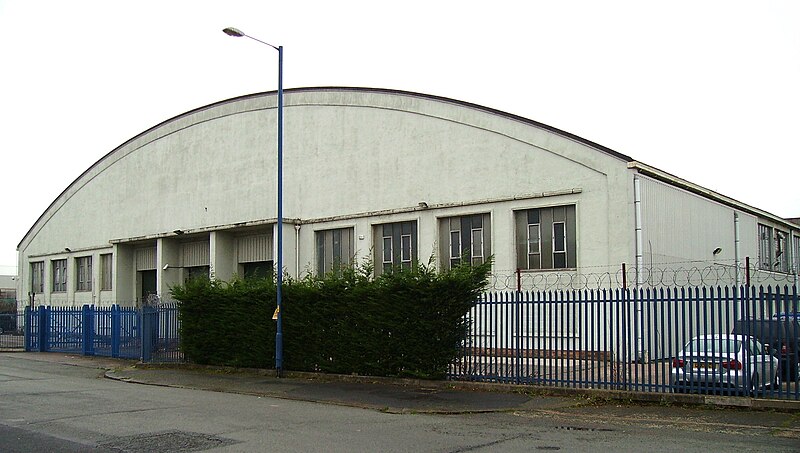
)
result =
(148, 279)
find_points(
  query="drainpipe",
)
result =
(296, 250)
(736, 249)
(637, 207)
(793, 259)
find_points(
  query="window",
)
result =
(255, 255)
(464, 237)
(84, 274)
(398, 245)
(764, 246)
(334, 249)
(257, 269)
(106, 270)
(59, 275)
(37, 277)
(773, 249)
(545, 238)
(796, 255)
(193, 272)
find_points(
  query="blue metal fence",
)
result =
(633, 340)
(607, 339)
(148, 334)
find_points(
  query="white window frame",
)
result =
(387, 240)
(106, 272)
(83, 273)
(403, 257)
(37, 277)
(563, 240)
(537, 255)
(477, 254)
(59, 268)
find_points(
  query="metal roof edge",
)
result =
(697, 189)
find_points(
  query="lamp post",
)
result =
(230, 31)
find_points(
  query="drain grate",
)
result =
(173, 441)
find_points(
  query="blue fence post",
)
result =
(87, 325)
(147, 332)
(116, 330)
(28, 331)
(44, 328)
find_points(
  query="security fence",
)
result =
(693, 339)
(683, 274)
(11, 331)
(650, 340)
(149, 334)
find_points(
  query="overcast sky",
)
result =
(706, 90)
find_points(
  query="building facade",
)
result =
(376, 174)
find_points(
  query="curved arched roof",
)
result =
(441, 99)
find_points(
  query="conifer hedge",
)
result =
(404, 323)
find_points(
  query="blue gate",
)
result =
(121, 332)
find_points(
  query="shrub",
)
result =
(404, 323)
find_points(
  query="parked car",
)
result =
(724, 363)
(8, 322)
(787, 315)
(782, 334)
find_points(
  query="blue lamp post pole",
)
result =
(230, 31)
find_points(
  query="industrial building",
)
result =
(382, 174)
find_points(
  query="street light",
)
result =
(230, 31)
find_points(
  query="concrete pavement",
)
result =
(383, 394)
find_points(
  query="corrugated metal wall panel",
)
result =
(255, 248)
(146, 259)
(195, 254)
(680, 226)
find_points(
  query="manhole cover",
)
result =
(173, 441)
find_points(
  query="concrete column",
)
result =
(289, 248)
(168, 252)
(222, 250)
(123, 276)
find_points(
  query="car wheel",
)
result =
(754, 386)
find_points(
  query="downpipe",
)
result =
(640, 353)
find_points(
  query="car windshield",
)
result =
(713, 345)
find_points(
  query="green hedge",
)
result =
(404, 323)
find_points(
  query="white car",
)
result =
(726, 364)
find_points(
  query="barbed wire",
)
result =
(673, 275)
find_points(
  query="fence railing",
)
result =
(633, 340)
(620, 339)
(148, 334)
(12, 335)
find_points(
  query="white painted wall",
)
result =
(353, 158)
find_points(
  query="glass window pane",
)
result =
(534, 261)
(559, 260)
(533, 216)
(477, 243)
(387, 250)
(455, 245)
(405, 250)
(559, 237)
(534, 239)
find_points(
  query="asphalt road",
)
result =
(48, 406)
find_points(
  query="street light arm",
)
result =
(235, 32)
